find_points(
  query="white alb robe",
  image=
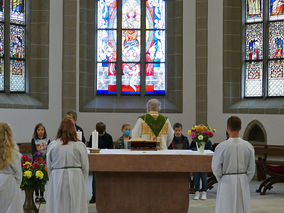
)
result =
(10, 192)
(233, 194)
(66, 190)
(142, 130)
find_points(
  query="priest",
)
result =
(233, 165)
(154, 126)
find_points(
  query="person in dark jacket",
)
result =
(104, 142)
(73, 116)
(179, 141)
(200, 175)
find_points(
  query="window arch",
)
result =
(12, 46)
(131, 47)
(263, 64)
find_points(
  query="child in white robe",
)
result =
(68, 168)
(10, 173)
(233, 165)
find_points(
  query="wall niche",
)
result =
(255, 133)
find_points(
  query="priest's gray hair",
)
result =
(154, 105)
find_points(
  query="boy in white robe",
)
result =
(233, 165)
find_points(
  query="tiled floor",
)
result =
(270, 203)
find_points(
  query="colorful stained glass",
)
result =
(1, 74)
(106, 78)
(254, 39)
(131, 14)
(2, 10)
(130, 79)
(107, 14)
(17, 42)
(17, 76)
(276, 37)
(106, 45)
(155, 14)
(155, 45)
(131, 45)
(253, 84)
(155, 79)
(275, 78)
(1, 40)
(276, 11)
(17, 11)
(254, 10)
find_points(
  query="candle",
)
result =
(95, 139)
(79, 135)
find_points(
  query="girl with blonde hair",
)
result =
(10, 172)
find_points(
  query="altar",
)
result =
(145, 181)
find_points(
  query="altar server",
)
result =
(68, 168)
(10, 173)
(154, 126)
(233, 165)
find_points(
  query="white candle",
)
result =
(79, 135)
(95, 139)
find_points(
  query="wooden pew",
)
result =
(271, 170)
(25, 148)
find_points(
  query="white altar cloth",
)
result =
(158, 152)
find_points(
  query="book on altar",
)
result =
(79, 135)
(95, 139)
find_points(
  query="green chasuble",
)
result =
(155, 125)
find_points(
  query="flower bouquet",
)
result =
(201, 134)
(34, 177)
(34, 172)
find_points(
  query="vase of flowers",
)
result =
(200, 134)
(34, 177)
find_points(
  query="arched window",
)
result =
(263, 64)
(12, 46)
(130, 47)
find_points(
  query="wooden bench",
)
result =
(25, 148)
(271, 170)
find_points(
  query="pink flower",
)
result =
(44, 162)
(25, 158)
(211, 134)
(35, 165)
(207, 133)
(37, 154)
(38, 159)
(192, 134)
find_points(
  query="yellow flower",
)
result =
(214, 130)
(28, 174)
(28, 164)
(39, 174)
(189, 131)
(194, 127)
(204, 128)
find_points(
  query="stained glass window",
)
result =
(141, 50)
(263, 63)
(253, 79)
(254, 10)
(254, 38)
(106, 46)
(275, 78)
(17, 11)
(2, 10)
(17, 75)
(276, 10)
(130, 79)
(1, 74)
(15, 71)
